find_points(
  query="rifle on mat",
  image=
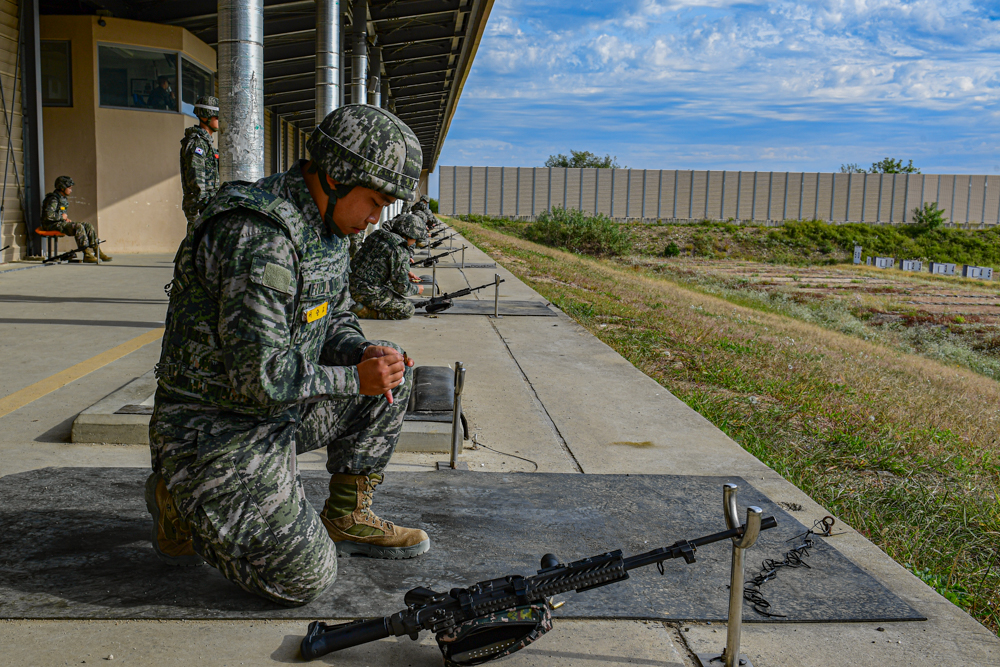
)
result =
(494, 618)
(431, 261)
(437, 232)
(67, 256)
(436, 304)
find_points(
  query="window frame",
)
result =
(69, 72)
(179, 56)
(180, 84)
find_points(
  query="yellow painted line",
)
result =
(21, 398)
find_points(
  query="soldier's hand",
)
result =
(414, 277)
(420, 289)
(65, 217)
(381, 369)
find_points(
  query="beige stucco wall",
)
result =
(127, 159)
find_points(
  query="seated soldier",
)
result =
(56, 219)
(380, 273)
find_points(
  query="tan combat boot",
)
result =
(88, 256)
(355, 529)
(104, 258)
(172, 539)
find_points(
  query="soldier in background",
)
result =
(56, 219)
(380, 272)
(262, 360)
(423, 209)
(199, 159)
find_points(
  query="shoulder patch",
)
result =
(199, 150)
(277, 278)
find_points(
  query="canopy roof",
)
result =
(427, 50)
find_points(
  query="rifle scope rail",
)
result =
(429, 610)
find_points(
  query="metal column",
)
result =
(327, 57)
(31, 125)
(359, 54)
(241, 89)
(375, 78)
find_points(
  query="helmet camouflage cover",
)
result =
(360, 144)
(206, 107)
(64, 182)
(409, 226)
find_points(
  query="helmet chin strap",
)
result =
(334, 194)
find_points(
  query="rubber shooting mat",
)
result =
(507, 307)
(76, 545)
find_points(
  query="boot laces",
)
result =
(366, 504)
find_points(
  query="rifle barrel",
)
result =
(674, 551)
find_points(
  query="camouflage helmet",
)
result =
(207, 107)
(409, 226)
(360, 144)
(64, 182)
(424, 198)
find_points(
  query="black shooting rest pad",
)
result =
(76, 545)
(508, 307)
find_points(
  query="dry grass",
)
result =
(903, 448)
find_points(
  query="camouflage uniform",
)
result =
(53, 207)
(380, 280)
(199, 171)
(258, 365)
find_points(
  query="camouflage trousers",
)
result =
(385, 306)
(240, 489)
(84, 232)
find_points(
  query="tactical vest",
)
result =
(192, 367)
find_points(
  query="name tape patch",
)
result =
(316, 313)
(277, 278)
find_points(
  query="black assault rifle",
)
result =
(431, 261)
(436, 304)
(444, 612)
(438, 242)
(437, 232)
(67, 256)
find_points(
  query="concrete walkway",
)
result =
(541, 388)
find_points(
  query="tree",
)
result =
(852, 168)
(890, 166)
(930, 216)
(580, 159)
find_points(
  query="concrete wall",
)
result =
(124, 161)
(652, 194)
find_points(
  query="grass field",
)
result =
(902, 447)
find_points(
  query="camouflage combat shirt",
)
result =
(259, 318)
(54, 206)
(199, 170)
(382, 264)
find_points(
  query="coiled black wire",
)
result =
(793, 558)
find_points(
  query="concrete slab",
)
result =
(517, 409)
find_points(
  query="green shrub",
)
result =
(672, 250)
(434, 205)
(578, 232)
(929, 216)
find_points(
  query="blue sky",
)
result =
(726, 84)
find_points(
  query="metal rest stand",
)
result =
(457, 433)
(496, 297)
(730, 656)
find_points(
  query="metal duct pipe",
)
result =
(345, 39)
(327, 57)
(375, 77)
(241, 89)
(359, 54)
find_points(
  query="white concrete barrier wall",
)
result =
(762, 196)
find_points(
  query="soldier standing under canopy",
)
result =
(199, 159)
(56, 219)
(380, 272)
(262, 360)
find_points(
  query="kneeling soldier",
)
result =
(380, 273)
(56, 219)
(262, 360)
